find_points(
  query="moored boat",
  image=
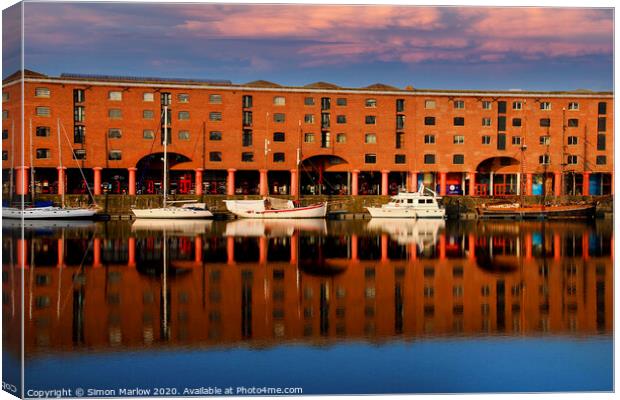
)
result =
(518, 211)
(273, 208)
(48, 213)
(421, 204)
(187, 210)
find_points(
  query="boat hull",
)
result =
(405, 212)
(171, 213)
(538, 212)
(313, 211)
(48, 213)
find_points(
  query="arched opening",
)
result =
(150, 174)
(498, 176)
(325, 175)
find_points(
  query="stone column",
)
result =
(557, 184)
(97, 181)
(586, 184)
(230, 182)
(413, 181)
(354, 181)
(132, 181)
(263, 188)
(491, 184)
(384, 182)
(198, 181)
(21, 180)
(294, 183)
(529, 182)
(472, 183)
(62, 184)
(518, 183)
(442, 183)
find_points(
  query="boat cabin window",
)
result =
(410, 201)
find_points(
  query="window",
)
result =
(459, 121)
(602, 108)
(183, 98)
(114, 133)
(545, 122)
(486, 139)
(166, 98)
(148, 96)
(400, 122)
(486, 121)
(279, 101)
(247, 101)
(278, 157)
(458, 139)
(544, 159)
(115, 155)
(115, 113)
(216, 156)
(5, 155)
(41, 111)
(79, 133)
(573, 105)
(79, 154)
(430, 104)
(429, 159)
(516, 140)
(325, 103)
(486, 105)
(400, 159)
(147, 114)
(600, 141)
(309, 137)
(516, 122)
(573, 123)
(183, 135)
(41, 92)
(501, 141)
(341, 119)
(5, 114)
(501, 107)
(247, 118)
(400, 105)
(545, 140)
(278, 117)
(246, 138)
(184, 116)
(429, 120)
(602, 124)
(278, 136)
(371, 120)
(517, 105)
(341, 138)
(41, 131)
(5, 134)
(571, 159)
(370, 138)
(429, 139)
(458, 159)
(573, 140)
(148, 134)
(371, 103)
(78, 114)
(215, 135)
(309, 101)
(247, 157)
(309, 118)
(601, 160)
(79, 95)
(213, 116)
(5, 96)
(43, 153)
(115, 95)
(370, 158)
(459, 104)
(400, 140)
(341, 101)
(545, 105)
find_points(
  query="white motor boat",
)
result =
(411, 205)
(48, 213)
(273, 208)
(187, 210)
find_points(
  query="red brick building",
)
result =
(260, 137)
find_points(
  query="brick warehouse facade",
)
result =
(247, 139)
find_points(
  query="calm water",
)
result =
(327, 306)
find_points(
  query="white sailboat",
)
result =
(48, 212)
(190, 209)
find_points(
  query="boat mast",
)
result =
(61, 189)
(165, 154)
(31, 166)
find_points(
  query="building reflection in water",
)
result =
(262, 283)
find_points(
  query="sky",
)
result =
(535, 48)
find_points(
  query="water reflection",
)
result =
(215, 283)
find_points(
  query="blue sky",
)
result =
(352, 46)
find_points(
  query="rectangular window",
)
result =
(371, 103)
(79, 95)
(545, 105)
(215, 135)
(42, 154)
(246, 138)
(430, 104)
(184, 116)
(516, 122)
(486, 105)
(516, 140)
(370, 138)
(459, 121)
(247, 118)
(115, 113)
(5, 155)
(400, 122)
(215, 156)
(501, 141)
(429, 159)
(114, 133)
(341, 138)
(501, 123)
(341, 101)
(213, 116)
(115, 155)
(602, 108)
(544, 159)
(400, 159)
(42, 112)
(370, 158)
(545, 122)
(166, 134)
(309, 138)
(341, 119)
(79, 133)
(573, 105)
(325, 139)
(600, 142)
(41, 92)
(545, 140)
(400, 105)
(147, 114)
(429, 139)
(573, 140)
(183, 98)
(458, 139)
(309, 101)
(5, 97)
(501, 107)
(486, 121)
(183, 135)
(309, 119)
(148, 96)
(517, 105)
(459, 104)
(458, 159)
(486, 139)
(247, 157)
(429, 121)
(115, 95)
(400, 140)
(78, 114)
(42, 131)
(5, 134)
(325, 103)
(148, 134)
(165, 98)
(602, 124)
(279, 101)
(247, 101)
(573, 123)
(5, 114)
(371, 120)
(278, 136)
(571, 159)
(601, 160)
(278, 157)
(278, 117)
(79, 154)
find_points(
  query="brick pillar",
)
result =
(198, 181)
(230, 182)
(471, 243)
(96, 252)
(354, 249)
(413, 182)
(586, 184)
(263, 242)
(557, 184)
(62, 184)
(384, 247)
(131, 252)
(230, 250)
(97, 181)
(198, 250)
(528, 246)
(294, 183)
(472, 183)
(263, 187)
(61, 253)
(384, 182)
(132, 181)
(442, 183)
(294, 246)
(354, 181)
(529, 181)
(21, 180)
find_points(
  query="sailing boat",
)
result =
(190, 209)
(49, 212)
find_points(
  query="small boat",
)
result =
(188, 210)
(518, 211)
(48, 213)
(411, 205)
(274, 208)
